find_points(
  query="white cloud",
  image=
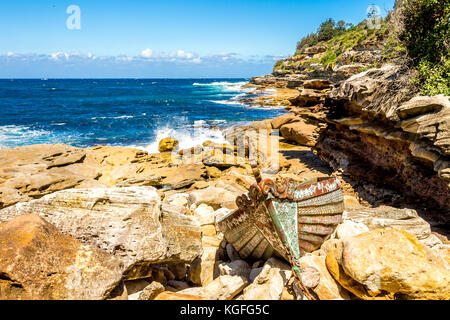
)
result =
(146, 56)
(182, 54)
(147, 53)
(59, 55)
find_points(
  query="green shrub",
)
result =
(434, 78)
(327, 30)
(425, 35)
(426, 29)
(279, 65)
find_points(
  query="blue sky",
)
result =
(209, 38)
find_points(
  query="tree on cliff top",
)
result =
(327, 30)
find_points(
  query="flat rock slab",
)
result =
(125, 222)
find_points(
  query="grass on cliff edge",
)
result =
(344, 40)
(416, 34)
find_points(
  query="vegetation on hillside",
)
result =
(415, 35)
(425, 34)
(327, 30)
(353, 37)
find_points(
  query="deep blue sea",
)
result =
(121, 112)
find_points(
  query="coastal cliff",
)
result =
(121, 223)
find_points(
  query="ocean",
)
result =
(121, 112)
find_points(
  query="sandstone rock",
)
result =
(269, 284)
(317, 84)
(147, 180)
(209, 231)
(167, 144)
(389, 263)
(211, 241)
(10, 196)
(213, 196)
(221, 160)
(42, 169)
(429, 117)
(167, 295)
(315, 49)
(125, 222)
(300, 132)
(225, 287)
(39, 262)
(183, 176)
(349, 229)
(213, 172)
(308, 97)
(385, 216)
(286, 295)
(235, 268)
(204, 214)
(351, 203)
(151, 291)
(201, 271)
(118, 293)
(406, 146)
(327, 288)
(176, 203)
(284, 119)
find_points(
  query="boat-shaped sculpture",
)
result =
(287, 217)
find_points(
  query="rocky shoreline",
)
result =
(120, 223)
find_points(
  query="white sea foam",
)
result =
(187, 136)
(225, 86)
(227, 102)
(13, 135)
(118, 117)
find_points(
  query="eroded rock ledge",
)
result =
(402, 145)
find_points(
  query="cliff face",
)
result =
(371, 126)
(376, 136)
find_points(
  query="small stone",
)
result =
(167, 144)
(235, 268)
(310, 277)
(151, 291)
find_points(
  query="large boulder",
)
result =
(39, 262)
(385, 216)
(125, 222)
(303, 133)
(389, 263)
